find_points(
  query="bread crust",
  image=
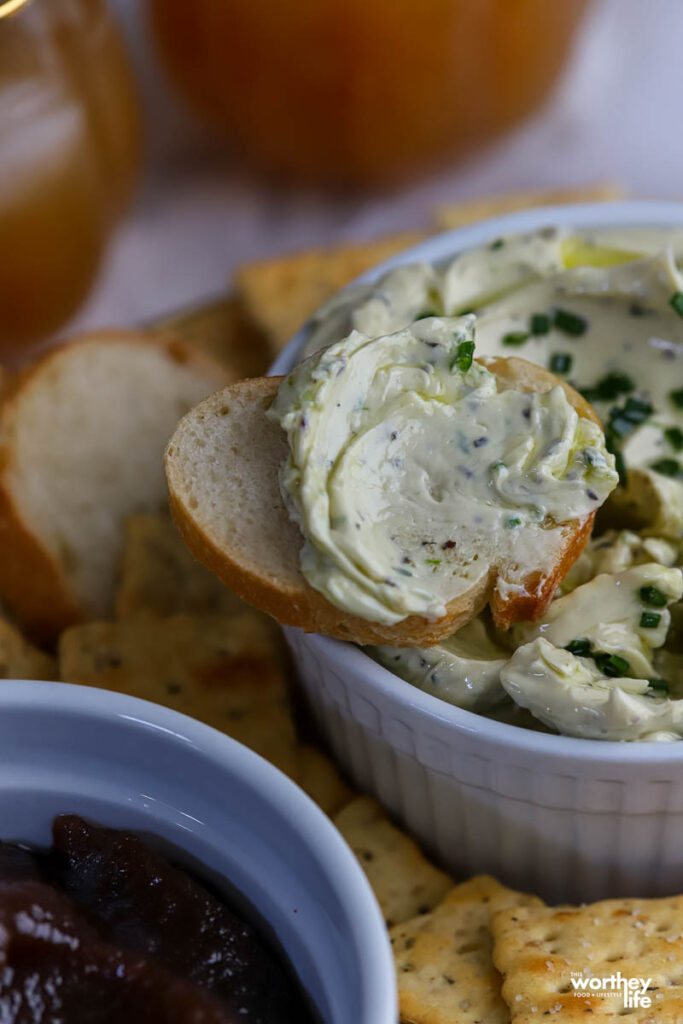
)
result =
(32, 580)
(298, 604)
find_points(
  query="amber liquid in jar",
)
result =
(69, 152)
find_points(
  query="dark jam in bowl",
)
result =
(99, 929)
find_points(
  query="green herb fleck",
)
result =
(611, 665)
(650, 620)
(515, 338)
(582, 648)
(653, 596)
(612, 385)
(463, 357)
(659, 684)
(511, 523)
(497, 244)
(560, 362)
(676, 302)
(668, 467)
(570, 323)
(432, 561)
(674, 436)
(677, 397)
(539, 323)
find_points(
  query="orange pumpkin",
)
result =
(69, 153)
(363, 91)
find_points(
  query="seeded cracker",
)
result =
(225, 332)
(21, 660)
(404, 882)
(226, 671)
(318, 776)
(456, 215)
(542, 951)
(159, 576)
(443, 959)
(280, 294)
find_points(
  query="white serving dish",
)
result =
(214, 805)
(570, 819)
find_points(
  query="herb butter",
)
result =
(413, 470)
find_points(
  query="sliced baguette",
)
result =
(82, 434)
(222, 469)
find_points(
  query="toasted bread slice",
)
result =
(222, 468)
(82, 434)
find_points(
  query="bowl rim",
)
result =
(370, 936)
(652, 213)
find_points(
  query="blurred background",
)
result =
(147, 149)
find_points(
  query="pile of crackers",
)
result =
(469, 953)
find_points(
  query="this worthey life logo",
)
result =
(633, 991)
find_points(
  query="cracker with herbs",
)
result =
(159, 576)
(224, 331)
(444, 959)
(403, 880)
(226, 671)
(318, 776)
(542, 951)
(280, 294)
(457, 215)
(19, 659)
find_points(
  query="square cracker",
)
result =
(280, 294)
(159, 576)
(318, 776)
(21, 660)
(443, 959)
(223, 330)
(456, 215)
(538, 950)
(226, 671)
(403, 880)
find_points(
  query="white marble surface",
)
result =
(616, 115)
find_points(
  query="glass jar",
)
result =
(363, 92)
(69, 154)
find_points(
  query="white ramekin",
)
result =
(570, 819)
(217, 807)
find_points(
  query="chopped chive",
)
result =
(497, 244)
(463, 357)
(677, 397)
(650, 620)
(432, 561)
(668, 467)
(653, 596)
(674, 436)
(621, 425)
(611, 665)
(637, 409)
(425, 314)
(560, 362)
(498, 464)
(539, 323)
(582, 648)
(511, 523)
(570, 323)
(515, 338)
(676, 302)
(613, 384)
(659, 684)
